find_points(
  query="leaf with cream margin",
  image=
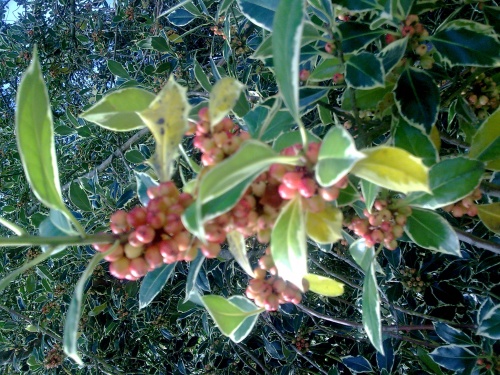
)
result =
(223, 97)
(324, 285)
(237, 247)
(485, 145)
(490, 216)
(393, 168)
(325, 226)
(167, 119)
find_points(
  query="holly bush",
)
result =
(317, 190)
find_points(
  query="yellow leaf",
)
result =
(435, 137)
(490, 216)
(485, 145)
(493, 165)
(223, 97)
(175, 38)
(325, 226)
(167, 119)
(393, 168)
(324, 285)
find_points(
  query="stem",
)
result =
(490, 189)
(252, 357)
(476, 241)
(57, 241)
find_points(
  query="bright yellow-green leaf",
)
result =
(485, 145)
(490, 216)
(223, 97)
(324, 285)
(393, 168)
(493, 165)
(237, 247)
(167, 119)
(435, 137)
(325, 226)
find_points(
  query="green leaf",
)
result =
(392, 168)
(117, 69)
(324, 285)
(194, 270)
(356, 36)
(427, 362)
(417, 98)
(450, 181)
(288, 243)
(490, 216)
(415, 142)
(201, 77)
(153, 283)
(236, 242)
(292, 138)
(392, 54)
(362, 255)
(337, 156)
(35, 139)
(325, 226)
(70, 340)
(144, 181)
(78, 197)
(348, 195)
(228, 315)
(246, 327)
(134, 156)
(453, 357)
(469, 43)
(260, 12)
(485, 145)
(364, 71)
(287, 31)
(181, 17)
(359, 5)
(489, 320)
(365, 99)
(452, 335)
(167, 119)
(117, 111)
(372, 322)
(98, 309)
(223, 97)
(326, 69)
(370, 192)
(429, 230)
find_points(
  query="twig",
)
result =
(478, 242)
(490, 189)
(255, 359)
(453, 141)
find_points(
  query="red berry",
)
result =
(138, 267)
(304, 75)
(307, 187)
(115, 255)
(120, 268)
(313, 152)
(137, 216)
(329, 194)
(153, 257)
(119, 223)
(292, 180)
(286, 192)
(145, 234)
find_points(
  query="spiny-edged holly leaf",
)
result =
(287, 31)
(236, 242)
(117, 111)
(35, 139)
(79, 197)
(223, 97)
(153, 283)
(194, 270)
(392, 168)
(469, 43)
(372, 322)
(325, 226)
(337, 156)
(326, 69)
(453, 357)
(417, 98)
(348, 195)
(364, 71)
(324, 285)
(288, 243)
(490, 216)
(356, 35)
(429, 230)
(228, 316)
(392, 54)
(489, 320)
(166, 118)
(485, 145)
(415, 142)
(449, 180)
(260, 12)
(451, 335)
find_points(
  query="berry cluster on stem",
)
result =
(465, 205)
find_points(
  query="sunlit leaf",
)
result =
(325, 226)
(223, 97)
(236, 242)
(490, 216)
(485, 145)
(324, 285)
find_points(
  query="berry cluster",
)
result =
(413, 281)
(383, 225)
(483, 96)
(489, 363)
(54, 358)
(301, 342)
(465, 206)
(270, 292)
(217, 31)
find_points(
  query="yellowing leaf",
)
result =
(393, 168)
(493, 165)
(324, 285)
(325, 226)
(166, 118)
(490, 216)
(223, 97)
(435, 137)
(237, 247)
(485, 145)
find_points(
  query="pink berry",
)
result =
(119, 268)
(287, 193)
(307, 187)
(138, 267)
(145, 234)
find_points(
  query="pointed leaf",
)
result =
(392, 168)
(153, 283)
(260, 12)
(236, 242)
(288, 243)
(370, 192)
(324, 285)
(392, 54)
(79, 197)
(117, 111)
(325, 226)
(223, 97)
(194, 270)
(489, 320)
(364, 71)
(248, 323)
(144, 181)
(415, 142)
(429, 230)
(490, 216)
(452, 335)
(453, 357)
(485, 145)
(362, 255)
(372, 322)
(356, 35)
(117, 69)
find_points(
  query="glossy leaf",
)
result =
(356, 36)
(166, 118)
(392, 168)
(453, 357)
(144, 181)
(415, 142)
(427, 362)
(288, 243)
(337, 156)
(365, 99)
(194, 270)
(386, 360)
(449, 180)
(362, 255)
(153, 283)
(117, 111)
(223, 97)
(325, 226)
(324, 285)
(370, 192)
(392, 54)
(451, 335)
(117, 69)
(248, 323)
(372, 322)
(79, 197)
(490, 216)
(364, 71)
(485, 145)
(468, 43)
(201, 77)
(287, 32)
(237, 247)
(417, 98)
(357, 364)
(429, 230)
(359, 5)
(326, 69)
(489, 320)
(260, 12)
(181, 17)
